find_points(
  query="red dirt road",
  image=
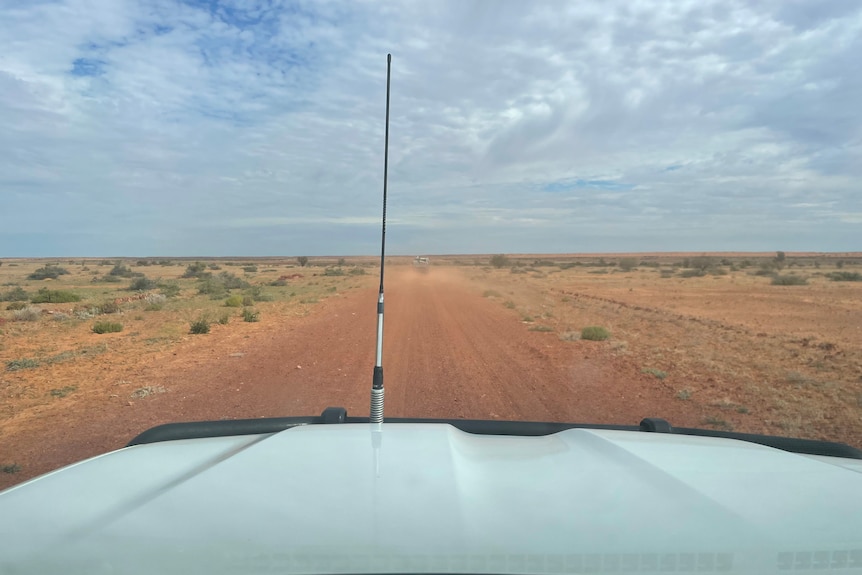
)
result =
(449, 352)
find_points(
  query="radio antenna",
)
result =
(377, 383)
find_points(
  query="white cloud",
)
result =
(175, 125)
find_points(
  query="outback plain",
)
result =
(95, 351)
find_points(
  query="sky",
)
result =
(207, 128)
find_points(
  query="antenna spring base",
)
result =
(377, 405)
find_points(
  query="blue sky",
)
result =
(256, 128)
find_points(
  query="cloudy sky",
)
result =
(163, 127)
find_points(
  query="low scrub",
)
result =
(845, 276)
(333, 272)
(121, 271)
(195, 270)
(233, 301)
(595, 333)
(169, 289)
(143, 284)
(249, 269)
(18, 364)
(107, 327)
(789, 280)
(654, 372)
(48, 272)
(542, 328)
(200, 326)
(29, 313)
(250, 315)
(16, 294)
(16, 305)
(109, 307)
(46, 295)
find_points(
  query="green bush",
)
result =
(45, 295)
(25, 363)
(109, 307)
(333, 272)
(48, 272)
(15, 294)
(15, 305)
(195, 270)
(247, 301)
(499, 261)
(230, 281)
(628, 264)
(595, 333)
(691, 273)
(224, 319)
(250, 269)
(845, 276)
(199, 326)
(789, 280)
(107, 327)
(250, 315)
(143, 284)
(169, 289)
(234, 301)
(302, 261)
(655, 372)
(121, 271)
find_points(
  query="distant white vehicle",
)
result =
(421, 261)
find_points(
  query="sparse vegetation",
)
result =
(224, 319)
(333, 271)
(108, 307)
(143, 284)
(789, 280)
(541, 328)
(121, 271)
(63, 391)
(500, 261)
(200, 326)
(654, 372)
(48, 272)
(357, 271)
(46, 295)
(718, 423)
(302, 261)
(196, 270)
(147, 391)
(250, 315)
(249, 269)
(249, 301)
(233, 301)
(570, 336)
(490, 293)
(10, 468)
(16, 294)
(683, 394)
(15, 305)
(845, 276)
(107, 327)
(595, 333)
(18, 364)
(29, 313)
(509, 304)
(628, 264)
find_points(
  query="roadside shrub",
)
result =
(333, 272)
(15, 305)
(230, 281)
(15, 294)
(107, 327)
(257, 294)
(29, 313)
(25, 363)
(212, 287)
(789, 280)
(45, 295)
(357, 272)
(499, 261)
(155, 299)
(845, 276)
(234, 301)
(249, 269)
(120, 271)
(247, 301)
(224, 319)
(48, 272)
(691, 273)
(655, 372)
(199, 326)
(108, 279)
(250, 315)
(628, 264)
(109, 307)
(195, 270)
(595, 333)
(170, 289)
(142, 284)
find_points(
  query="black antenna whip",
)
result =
(377, 385)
